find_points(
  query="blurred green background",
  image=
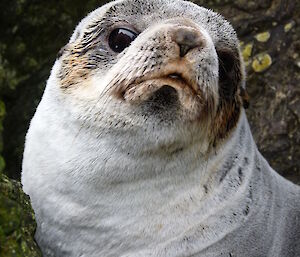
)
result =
(32, 32)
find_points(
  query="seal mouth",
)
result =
(177, 78)
(144, 88)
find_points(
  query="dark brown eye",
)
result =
(121, 38)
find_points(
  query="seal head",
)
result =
(180, 69)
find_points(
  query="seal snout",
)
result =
(187, 38)
(173, 65)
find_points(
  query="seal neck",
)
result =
(156, 179)
(210, 192)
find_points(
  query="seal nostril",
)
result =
(184, 49)
(187, 39)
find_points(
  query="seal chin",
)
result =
(163, 104)
(165, 96)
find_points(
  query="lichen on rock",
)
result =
(263, 36)
(261, 62)
(17, 222)
(289, 26)
(247, 52)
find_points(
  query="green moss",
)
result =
(9, 215)
(2, 109)
(2, 114)
(17, 223)
(2, 163)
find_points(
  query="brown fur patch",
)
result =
(245, 98)
(232, 95)
(78, 61)
(74, 67)
(227, 117)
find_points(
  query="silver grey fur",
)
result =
(91, 199)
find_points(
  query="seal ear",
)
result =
(231, 93)
(230, 76)
(230, 73)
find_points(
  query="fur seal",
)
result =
(140, 145)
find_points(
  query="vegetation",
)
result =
(17, 223)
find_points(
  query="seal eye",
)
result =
(120, 38)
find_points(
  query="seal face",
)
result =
(140, 145)
(195, 56)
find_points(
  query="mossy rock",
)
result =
(17, 222)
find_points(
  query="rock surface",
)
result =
(17, 223)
